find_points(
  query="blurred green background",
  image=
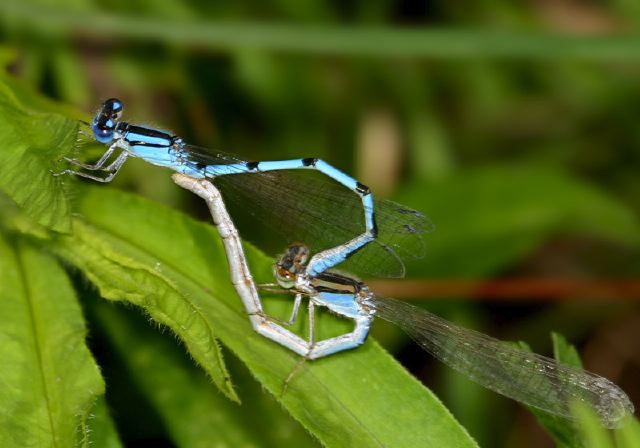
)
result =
(512, 126)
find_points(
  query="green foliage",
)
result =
(518, 137)
(127, 247)
(506, 211)
(329, 39)
(586, 431)
(175, 270)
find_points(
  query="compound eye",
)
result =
(297, 255)
(302, 254)
(285, 278)
(103, 129)
(112, 108)
(285, 274)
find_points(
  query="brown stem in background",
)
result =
(509, 289)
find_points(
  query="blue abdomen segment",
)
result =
(329, 258)
(336, 174)
(254, 167)
(340, 303)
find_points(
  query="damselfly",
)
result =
(529, 378)
(324, 212)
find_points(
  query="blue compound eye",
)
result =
(104, 123)
(113, 108)
(103, 129)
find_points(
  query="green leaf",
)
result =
(49, 378)
(487, 218)
(194, 414)
(29, 142)
(175, 269)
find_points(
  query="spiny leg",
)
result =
(114, 168)
(312, 341)
(274, 288)
(85, 175)
(277, 289)
(296, 308)
(312, 323)
(98, 165)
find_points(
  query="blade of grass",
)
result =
(331, 40)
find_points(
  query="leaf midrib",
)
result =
(36, 335)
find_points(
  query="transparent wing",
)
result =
(526, 377)
(310, 207)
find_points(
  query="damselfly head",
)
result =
(105, 121)
(290, 264)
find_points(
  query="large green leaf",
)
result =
(175, 269)
(49, 378)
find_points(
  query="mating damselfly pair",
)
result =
(327, 216)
